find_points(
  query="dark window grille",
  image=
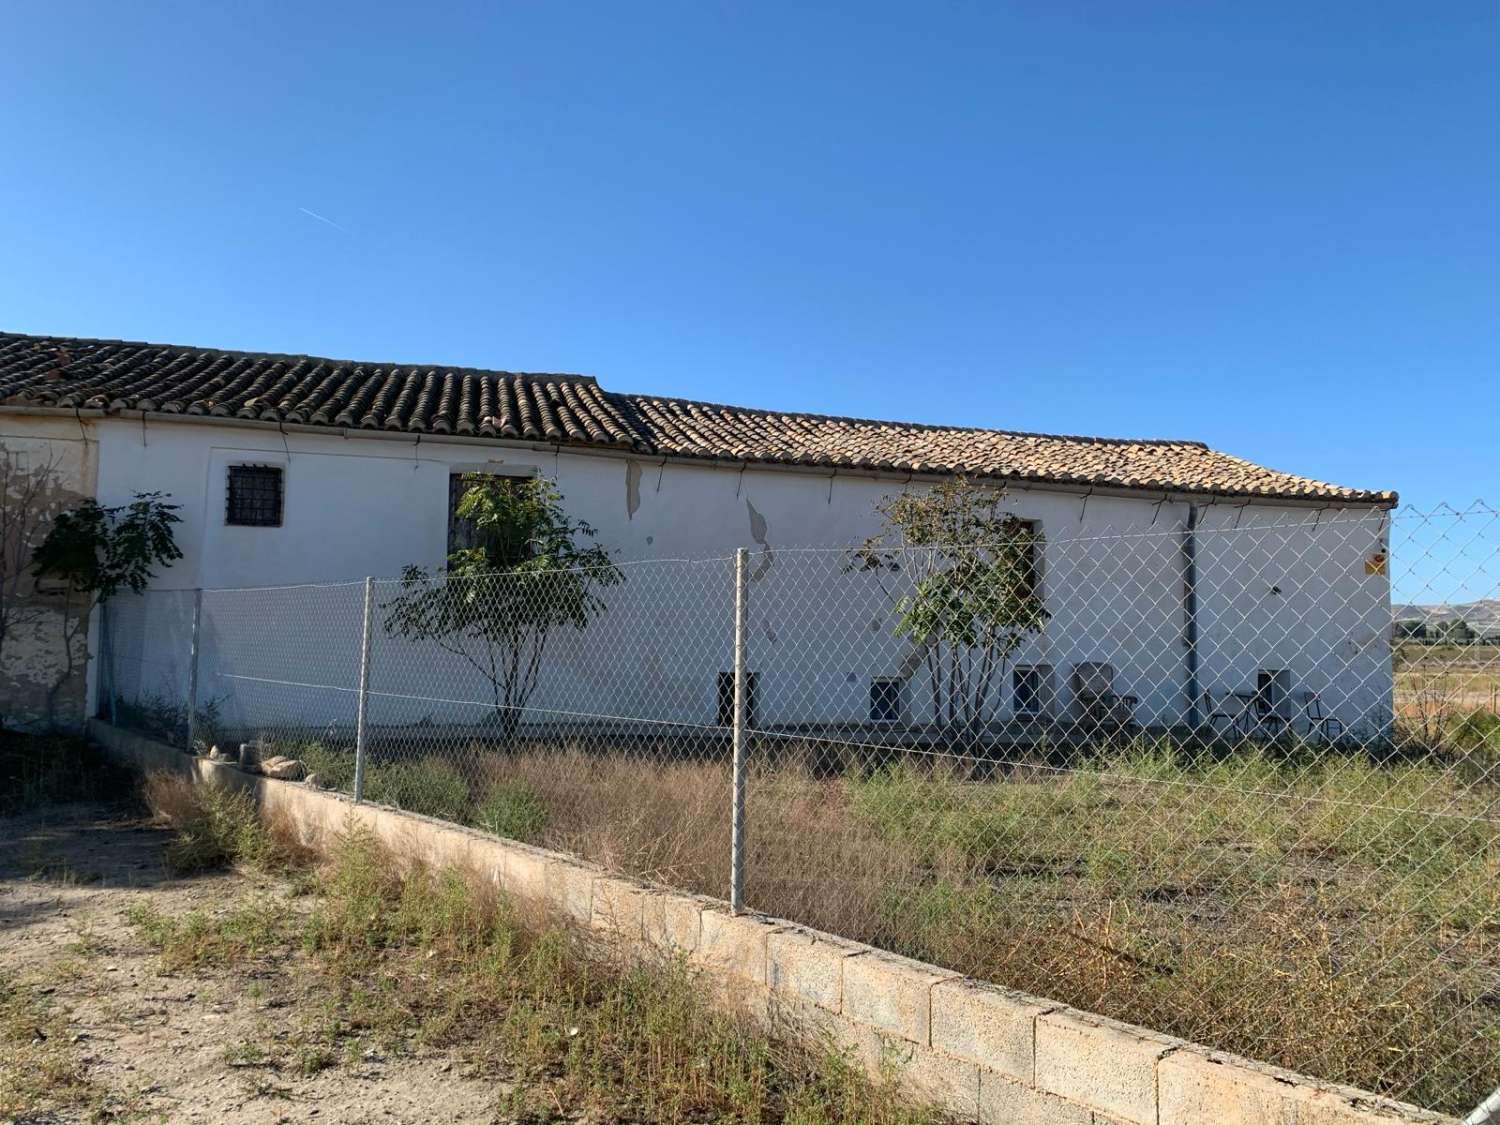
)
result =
(255, 495)
(885, 700)
(1272, 686)
(1028, 686)
(1031, 532)
(461, 534)
(726, 698)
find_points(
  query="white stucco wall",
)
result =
(44, 662)
(1276, 590)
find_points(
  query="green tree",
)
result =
(970, 594)
(93, 552)
(531, 570)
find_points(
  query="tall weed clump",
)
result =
(218, 826)
(439, 957)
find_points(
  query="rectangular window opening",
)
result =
(885, 699)
(726, 698)
(254, 496)
(1273, 687)
(462, 534)
(1031, 533)
(1030, 688)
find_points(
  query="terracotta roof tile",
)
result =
(575, 410)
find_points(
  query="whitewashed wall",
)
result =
(1275, 589)
(44, 665)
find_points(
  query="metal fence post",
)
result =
(1486, 1112)
(192, 697)
(364, 696)
(741, 699)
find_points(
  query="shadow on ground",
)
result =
(73, 846)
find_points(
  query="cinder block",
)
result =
(735, 944)
(673, 923)
(932, 1078)
(570, 890)
(881, 1056)
(439, 846)
(1197, 1085)
(877, 1055)
(792, 1018)
(1004, 1101)
(736, 994)
(619, 910)
(523, 876)
(1099, 1063)
(807, 966)
(892, 994)
(993, 1027)
(488, 857)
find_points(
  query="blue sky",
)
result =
(1273, 227)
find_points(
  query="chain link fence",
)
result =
(1236, 779)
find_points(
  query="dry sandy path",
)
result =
(171, 1046)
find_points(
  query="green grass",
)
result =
(249, 930)
(333, 765)
(1247, 898)
(431, 786)
(41, 1074)
(512, 809)
(435, 960)
(1337, 917)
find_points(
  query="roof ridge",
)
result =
(927, 426)
(199, 349)
(68, 372)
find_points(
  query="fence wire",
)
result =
(1218, 780)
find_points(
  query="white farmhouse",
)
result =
(1175, 575)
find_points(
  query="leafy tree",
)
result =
(94, 552)
(530, 570)
(100, 551)
(971, 594)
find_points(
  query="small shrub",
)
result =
(431, 786)
(1473, 742)
(512, 809)
(250, 929)
(217, 827)
(357, 887)
(334, 766)
(151, 713)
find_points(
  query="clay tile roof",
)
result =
(116, 375)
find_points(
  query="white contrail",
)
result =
(322, 219)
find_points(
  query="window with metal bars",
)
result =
(1031, 688)
(255, 495)
(462, 534)
(885, 700)
(726, 698)
(460, 531)
(1031, 534)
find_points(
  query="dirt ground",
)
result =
(195, 1045)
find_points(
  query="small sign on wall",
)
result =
(1376, 563)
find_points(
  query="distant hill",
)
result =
(1482, 616)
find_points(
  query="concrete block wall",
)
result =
(983, 1053)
